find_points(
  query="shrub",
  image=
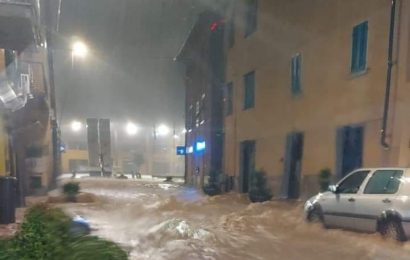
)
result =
(212, 188)
(70, 190)
(94, 248)
(324, 179)
(45, 235)
(259, 191)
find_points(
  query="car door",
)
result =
(378, 195)
(339, 207)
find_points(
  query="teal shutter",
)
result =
(249, 90)
(296, 86)
(363, 46)
(287, 167)
(359, 47)
(340, 137)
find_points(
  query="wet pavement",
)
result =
(159, 220)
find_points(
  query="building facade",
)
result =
(74, 160)
(27, 93)
(204, 60)
(310, 88)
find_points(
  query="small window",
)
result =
(249, 95)
(229, 99)
(295, 74)
(251, 17)
(384, 182)
(351, 184)
(359, 47)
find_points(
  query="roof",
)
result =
(201, 24)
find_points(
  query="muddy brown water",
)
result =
(168, 221)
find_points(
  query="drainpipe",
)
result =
(383, 141)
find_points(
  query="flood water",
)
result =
(158, 220)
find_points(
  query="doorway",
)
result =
(247, 162)
(349, 149)
(293, 166)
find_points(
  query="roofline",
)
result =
(177, 57)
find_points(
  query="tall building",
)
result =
(27, 92)
(204, 60)
(314, 85)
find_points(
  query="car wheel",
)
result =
(393, 230)
(315, 216)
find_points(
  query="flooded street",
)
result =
(168, 221)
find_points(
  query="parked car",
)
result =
(368, 200)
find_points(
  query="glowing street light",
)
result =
(131, 128)
(163, 130)
(76, 126)
(79, 49)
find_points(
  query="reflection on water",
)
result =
(167, 221)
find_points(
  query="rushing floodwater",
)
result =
(167, 221)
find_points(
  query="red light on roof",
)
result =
(213, 26)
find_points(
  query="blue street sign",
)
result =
(181, 150)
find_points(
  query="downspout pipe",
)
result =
(390, 64)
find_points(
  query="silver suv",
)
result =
(368, 200)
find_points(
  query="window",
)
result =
(352, 184)
(359, 47)
(249, 95)
(384, 182)
(295, 74)
(251, 17)
(228, 99)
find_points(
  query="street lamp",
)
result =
(163, 130)
(79, 49)
(131, 129)
(76, 126)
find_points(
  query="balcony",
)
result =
(19, 21)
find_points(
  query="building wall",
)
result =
(331, 96)
(204, 60)
(4, 169)
(72, 155)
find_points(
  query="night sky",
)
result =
(130, 73)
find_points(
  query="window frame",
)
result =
(249, 104)
(349, 176)
(296, 74)
(251, 17)
(357, 55)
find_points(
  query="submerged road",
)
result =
(159, 220)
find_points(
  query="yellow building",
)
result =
(4, 159)
(308, 83)
(74, 160)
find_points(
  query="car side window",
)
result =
(384, 182)
(352, 184)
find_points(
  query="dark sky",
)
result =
(130, 73)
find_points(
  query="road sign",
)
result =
(181, 150)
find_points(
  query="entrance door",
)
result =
(349, 149)
(247, 161)
(293, 165)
